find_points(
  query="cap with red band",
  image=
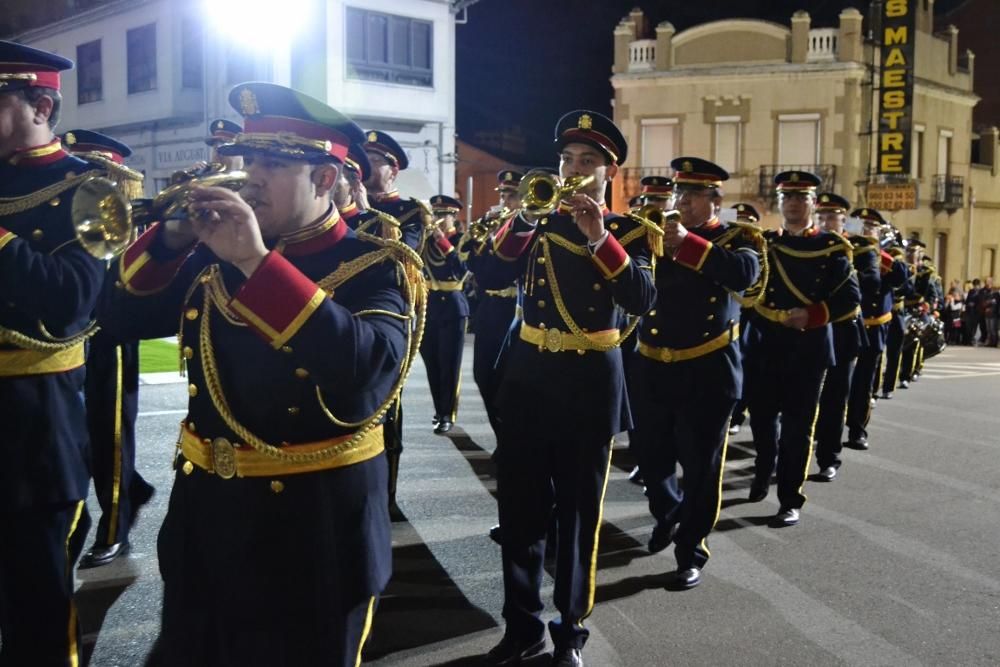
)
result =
(593, 129)
(25, 67)
(288, 123)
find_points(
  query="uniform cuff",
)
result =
(885, 263)
(277, 299)
(6, 237)
(611, 257)
(445, 245)
(509, 245)
(819, 315)
(143, 274)
(693, 251)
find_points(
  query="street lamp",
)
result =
(258, 24)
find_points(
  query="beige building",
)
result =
(758, 98)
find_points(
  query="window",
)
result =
(798, 140)
(941, 252)
(393, 49)
(660, 141)
(191, 53)
(727, 143)
(944, 153)
(988, 265)
(88, 72)
(917, 152)
(141, 55)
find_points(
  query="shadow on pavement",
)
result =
(93, 600)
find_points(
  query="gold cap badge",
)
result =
(248, 102)
(70, 138)
(687, 166)
(794, 177)
(508, 176)
(741, 207)
(372, 137)
(864, 212)
(585, 122)
(220, 125)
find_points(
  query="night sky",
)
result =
(523, 63)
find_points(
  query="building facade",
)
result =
(759, 97)
(153, 73)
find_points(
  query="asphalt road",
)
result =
(895, 563)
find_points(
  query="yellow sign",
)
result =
(892, 196)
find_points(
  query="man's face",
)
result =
(383, 174)
(16, 120)
(872, 231)
(510, 199)
(342, 190)
(831, 221)
(796, 207)
(232, 162)
(584, 160)
(696, 205)
(283, 193)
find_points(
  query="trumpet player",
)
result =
(295, 334)
(688, 373)
(447, 313)
(112, 388)
(221, 131)
(562, 395)
(47, 278)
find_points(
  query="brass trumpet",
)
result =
(106, 222)
(481, 229)
(652, 215)
(541, 192)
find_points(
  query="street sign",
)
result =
(892, 196)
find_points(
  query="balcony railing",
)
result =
(642, 55)
(765, 177)
(948, 192)
(822, 44)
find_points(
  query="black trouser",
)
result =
(38, 621)
(782, 388)
(694, 434)
(909, 361)
(533, 471)
(441, 350)
(112, 396)
(859, 402)
(893, 356)
(832, 412)
(392, 434)
(493, 321)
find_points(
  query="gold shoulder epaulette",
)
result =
(15, 205)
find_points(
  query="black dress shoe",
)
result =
(861, 442)
(786, 516)
(759, 489)
(827, 474)
(635, 476)
(685, 579)
(496, 534)
(887, 395)
(435, 420)
(511, 651)
(102, 555)
(903, 384)
(395, 514)
(443, 426)
(663, 535)
(734, 429)
(567, 657)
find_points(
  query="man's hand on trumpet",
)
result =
(673, 232)
(224, 222)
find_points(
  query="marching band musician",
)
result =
(447, 313)
(48, 283)
(112, 388)
(920, 304)
(849, 337)
(746, 214)
(221, 131)
(886, 381)
(562, 396)
(688, 374)
(790, 344)
(295, 333)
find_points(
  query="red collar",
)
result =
(314, 238)
(350, 211)
(384, 196)
(38, 156)
(707, 226)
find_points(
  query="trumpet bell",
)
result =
(541, 192)
(102, 217)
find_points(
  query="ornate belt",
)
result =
(669, 355)
(506, 293)
(849, 316)
(897, 306)
(553, 340)
(227, 459)
(779, 316)
(32, 362)
(445, 285)
(878, 319)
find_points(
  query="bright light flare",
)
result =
(258, 24)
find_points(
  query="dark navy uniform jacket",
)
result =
(586, 391)
(812, 271)
(849, 336)
(876, 304)
(445, 268)
(926, 288)
(311, 327)
(47, 282)
(697, 301)
(413, 217)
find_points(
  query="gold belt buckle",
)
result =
(668, 354)
(223, 458)
(553, 340)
